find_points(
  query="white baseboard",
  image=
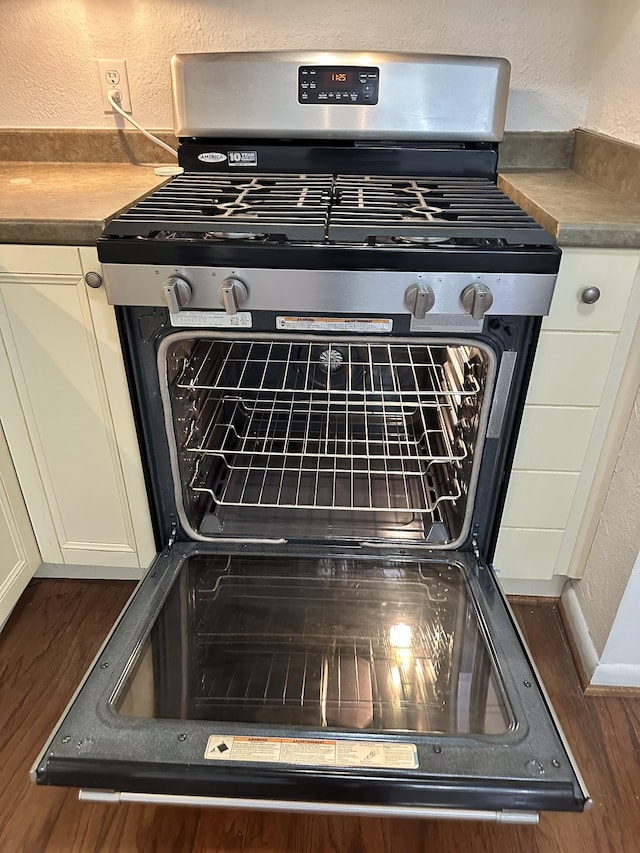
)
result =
(79, 572)
(551, 588)
(616, 675)
(580, 631)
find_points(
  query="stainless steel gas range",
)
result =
(329, 322)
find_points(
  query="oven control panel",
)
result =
(338, 84)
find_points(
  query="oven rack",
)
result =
(411, 372)
(287, 429)
(309, 483)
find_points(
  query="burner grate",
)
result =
(319, 208)
(367, 208)
(293, 205)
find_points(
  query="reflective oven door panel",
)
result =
(307, 438)
(322, 678)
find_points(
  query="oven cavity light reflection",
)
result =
(400, 635)
(401, 642)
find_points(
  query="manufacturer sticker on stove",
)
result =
(243, 158)
(312, 752)
(212, 157)
(367, 325)
(212, 319)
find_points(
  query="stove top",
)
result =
(327, 209)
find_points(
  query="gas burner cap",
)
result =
(234, 235)
(422, 241)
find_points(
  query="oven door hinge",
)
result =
(474, 545)
(172, 537)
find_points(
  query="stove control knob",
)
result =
(476, 299)
(177, 293)
(232, 293)
(419, 298)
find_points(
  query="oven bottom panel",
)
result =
(316, 678)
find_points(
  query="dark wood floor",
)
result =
(53, 635)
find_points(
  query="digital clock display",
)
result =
(338, 84)
(338, 79)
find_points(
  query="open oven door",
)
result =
(327, 682)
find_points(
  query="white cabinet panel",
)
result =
(526, 553)
(56, 366)
(583, 384)
(19, 556)
(610, 270)
(52, 260)
(554, 438)
(73, 437)
(539, 499)
(571, 369)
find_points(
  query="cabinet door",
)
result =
(584, 356)
(80, 508)
(19, 555)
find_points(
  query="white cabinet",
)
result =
(581, 391)
(77, 461)
(19, 555)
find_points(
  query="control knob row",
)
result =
(232, 293)
(418, 298)
(476, 300)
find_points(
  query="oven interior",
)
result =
(323, 438)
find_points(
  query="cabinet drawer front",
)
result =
(554, 438)
(612, 272)
(539, 499)
(41, 260)
(571, 369)
(524, 553)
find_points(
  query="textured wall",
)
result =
(50, 48)
(614, 101)
(616, 544)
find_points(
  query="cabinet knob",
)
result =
(590, 295)
(93, 279)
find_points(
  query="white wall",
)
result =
(602, 607)
(49, 48)
(616, 542)
(614, 101)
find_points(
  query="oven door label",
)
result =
(212, 319)
(367, 325)
(312, 752)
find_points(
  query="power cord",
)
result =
(114, 96)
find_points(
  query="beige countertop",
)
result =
(69, 203)
(66, 203)
(575, 210)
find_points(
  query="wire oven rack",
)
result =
(360, 427)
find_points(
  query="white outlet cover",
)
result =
(108, 70)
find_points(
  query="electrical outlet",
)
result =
(113, 77)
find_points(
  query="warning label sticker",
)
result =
(334, 324)
(312, 752)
